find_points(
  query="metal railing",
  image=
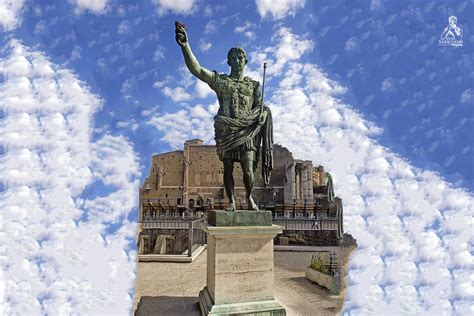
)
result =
(158, 205)
(196, 236)
(165, 216)
(165, 224)
(306, 223)
(291, 220)
(287, 223)
(162, 205)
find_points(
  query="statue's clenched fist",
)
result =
(181, 36)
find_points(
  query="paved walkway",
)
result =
(172, 288)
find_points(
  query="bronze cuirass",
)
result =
(236, 99)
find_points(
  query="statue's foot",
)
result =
(252, 205)
(231, 207)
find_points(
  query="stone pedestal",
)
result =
(240, 266)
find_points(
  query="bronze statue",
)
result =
(243, 125)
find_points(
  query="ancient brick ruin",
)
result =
(184, 177)
(184, 184)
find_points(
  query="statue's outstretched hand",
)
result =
(181, 36)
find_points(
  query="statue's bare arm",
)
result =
(191, 61)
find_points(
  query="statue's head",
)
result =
(235, 56)
(453, 20)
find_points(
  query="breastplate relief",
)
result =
(236, 97)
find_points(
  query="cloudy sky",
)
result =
(90, 89)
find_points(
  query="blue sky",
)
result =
(362, 87)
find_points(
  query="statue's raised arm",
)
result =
(243, 125)
(191, 61)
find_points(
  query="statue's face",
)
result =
(452, 21)
(237, 61)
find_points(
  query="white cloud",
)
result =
(375, 4)
(413, 228)
(149, 111)
(123, 27)
(159, 84)
(243, 28)
(175, 6)
(467, 96)
(187, 79)
(76, 53)
(247, 30)
(202, 89)
(288, 47)
(93, 6)
(180, 94)
(159, 53)
(127, 87)
(59, 256)
(210, 27)
(10, 14)
(204, 46)
(40, 27)
(177, 94)
(193, 122)
(250, 35)
(351, 44)
(124, 124)
(318, 81)
(278, 9)
(387, 85)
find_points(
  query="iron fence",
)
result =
(165, 224)
(172, 216)
(290, 221)
(196, 236)
(306, 223)
(287, 223)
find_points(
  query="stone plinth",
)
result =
(240, 269)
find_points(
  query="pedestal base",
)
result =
(240, 279)
(260, 308)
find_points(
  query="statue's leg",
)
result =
(249, 178)
(229, 183)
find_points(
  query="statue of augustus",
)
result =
(243, 124)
